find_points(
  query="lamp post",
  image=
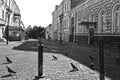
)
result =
(7, 27)
(61, 19)
(101, 57)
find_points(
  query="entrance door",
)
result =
(91, 36)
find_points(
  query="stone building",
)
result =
(55, 23)
(61, 27)
(9, 11)
(105, 13)
(48, 32)
(66, 20)
(3, 19)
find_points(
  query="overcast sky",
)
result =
(37, 12)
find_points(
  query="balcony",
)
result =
(17, 15)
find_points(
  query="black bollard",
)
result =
(101, 59)
(40, 61)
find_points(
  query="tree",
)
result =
(35, 32)
(28, 31)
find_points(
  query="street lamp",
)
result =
(7, 27)
(61, 19)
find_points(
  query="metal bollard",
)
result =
(101, 59)
(40, 61)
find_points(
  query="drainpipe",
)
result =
(7, 27)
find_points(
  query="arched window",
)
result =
(85, 30)
(72, 25)
(102, 22)
(79, 26)
(91, 18)
(117, 19)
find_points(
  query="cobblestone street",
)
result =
(60, 40)
(25, 66)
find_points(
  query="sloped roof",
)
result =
(17, 14)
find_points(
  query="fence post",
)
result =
(101, 57)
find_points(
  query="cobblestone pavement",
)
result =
(25, 64)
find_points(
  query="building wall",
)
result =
(56, 22)
(13, 20)
(101, 11)
(66, 18)
(61, 28)
(3, 17)
(105, 12)
(48, 32)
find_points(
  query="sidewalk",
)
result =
(9, 42)
(25, 65)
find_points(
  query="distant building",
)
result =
(63, 28)
(55, 23)
(48, 32)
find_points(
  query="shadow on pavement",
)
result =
(6, 76)
(82, 53)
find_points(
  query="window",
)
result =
(85, 30)
(103, 16)
(2, 30)
(102, 21)
(15, 19)
(3, 15)
(65, 7)
(6, 1)
(92, 19)
(79, 28)
(47, 31)
(117, 19)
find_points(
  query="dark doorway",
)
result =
(91, 26)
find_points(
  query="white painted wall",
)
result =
(0, 32)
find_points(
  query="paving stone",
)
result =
(25, 64)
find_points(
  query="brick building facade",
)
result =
(106, 13)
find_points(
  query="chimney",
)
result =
(56, 7)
